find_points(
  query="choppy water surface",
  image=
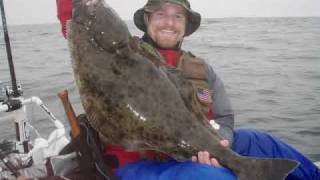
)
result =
(270, 67)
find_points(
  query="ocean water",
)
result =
(270, 68)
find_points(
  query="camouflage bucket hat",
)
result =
(193, 19)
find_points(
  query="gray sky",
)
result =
(44, 11)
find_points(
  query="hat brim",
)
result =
(193, 23)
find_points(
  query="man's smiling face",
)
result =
(167, 25)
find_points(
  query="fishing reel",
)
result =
(7, 92)
(9, 100)
(10, 93)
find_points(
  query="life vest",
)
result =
(193, 69)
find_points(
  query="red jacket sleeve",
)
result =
(64, 10)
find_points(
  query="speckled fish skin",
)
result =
(132, 102)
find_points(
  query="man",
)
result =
(165, 26)
(166, 23)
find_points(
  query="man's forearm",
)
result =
(226, 127)
(223, 113)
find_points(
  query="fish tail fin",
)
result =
(250, 168)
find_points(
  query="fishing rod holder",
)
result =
(17, 106)
(13, 104)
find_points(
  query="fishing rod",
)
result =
(15, 91)
(14, 100)
(15, 103)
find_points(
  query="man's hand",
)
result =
(204, 156)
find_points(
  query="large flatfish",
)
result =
(136, 102)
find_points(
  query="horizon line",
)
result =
(227, 17)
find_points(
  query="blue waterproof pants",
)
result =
(251, 142)
(247, 142)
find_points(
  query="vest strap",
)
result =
(193, 67)
(195, 70)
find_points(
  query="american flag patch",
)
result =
(204, 95)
